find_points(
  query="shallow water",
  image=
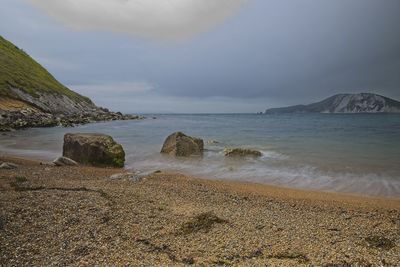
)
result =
(357, 153)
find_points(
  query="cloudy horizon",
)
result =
(205, 56)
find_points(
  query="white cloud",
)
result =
(155, 19)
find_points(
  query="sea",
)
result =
(349, 153)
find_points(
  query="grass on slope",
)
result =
(19, 70)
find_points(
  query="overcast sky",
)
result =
(210, 55)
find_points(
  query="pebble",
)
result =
(8, 166)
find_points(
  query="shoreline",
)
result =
(79, 216)
(307, 164)
(249, 186)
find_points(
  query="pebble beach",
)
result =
(78, 216)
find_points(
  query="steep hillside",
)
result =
(31, 97)
(345, 103)
(19, 70)
(22, 78)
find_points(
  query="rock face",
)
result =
(345, 103)
(94, 149)
(241, 152)
(181, 145)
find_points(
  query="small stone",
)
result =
(47, 164)
(64, 161)
(126, 176)
(8, 166)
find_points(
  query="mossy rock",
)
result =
(241, 152)
(94, 149)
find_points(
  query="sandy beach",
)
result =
(78, 216)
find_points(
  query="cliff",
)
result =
(31, 97)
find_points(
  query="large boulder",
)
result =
(94, 149)
(181, 145)
(241, 152)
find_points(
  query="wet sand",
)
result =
(78, 216)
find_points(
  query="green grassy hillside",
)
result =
(19, 70)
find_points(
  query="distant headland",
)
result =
(345, 103)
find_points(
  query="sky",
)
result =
(210, 56)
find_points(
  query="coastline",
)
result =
(79, 216)
(257, 188)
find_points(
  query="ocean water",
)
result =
(353, 153)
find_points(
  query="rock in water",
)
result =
(94, 149)
(181, 145)
(241, 152)
(64, 161)
(8, 166)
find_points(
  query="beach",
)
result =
(78, 216)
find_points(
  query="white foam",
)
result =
(269, 154)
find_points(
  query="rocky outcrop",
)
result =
(94, 149)
(56, 103)
(181, 145)
(345, 103)
(241, 152)
(16, 114)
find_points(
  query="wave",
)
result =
(270, 154)
(276, 169)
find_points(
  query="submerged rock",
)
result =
(8, 166)
(94, 149)
(181, 145)
(241, 152)
(64, 161)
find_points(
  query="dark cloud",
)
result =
(283, 52)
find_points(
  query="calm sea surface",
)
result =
(357, 153)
